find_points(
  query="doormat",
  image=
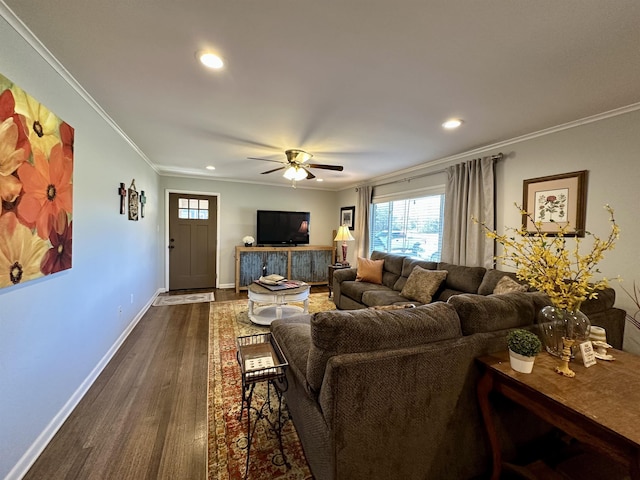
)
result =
(163, 300)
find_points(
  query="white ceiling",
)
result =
(361, 83)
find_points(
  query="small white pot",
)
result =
(521, 363)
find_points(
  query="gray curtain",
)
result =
(469, 193)
(362, 221)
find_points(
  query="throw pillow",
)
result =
(422, 284)
(369, 271)
(508, 284)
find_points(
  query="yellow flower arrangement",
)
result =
(551, 266)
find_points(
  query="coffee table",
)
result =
(276, 303)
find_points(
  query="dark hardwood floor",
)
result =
(145, 416)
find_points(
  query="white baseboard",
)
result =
(227, 285)
(21, 468)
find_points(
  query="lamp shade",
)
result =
(343, 234)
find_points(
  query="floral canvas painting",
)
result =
(36, 188)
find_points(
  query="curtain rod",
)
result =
(497, 156)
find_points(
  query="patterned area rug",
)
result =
(227, 434)
(162, 300)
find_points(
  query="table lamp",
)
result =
(344, 236)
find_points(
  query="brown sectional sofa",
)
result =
(349, 294)
(386, 394)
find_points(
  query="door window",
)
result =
(193, 209)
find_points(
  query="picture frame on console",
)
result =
(556, 201)
(347, 215)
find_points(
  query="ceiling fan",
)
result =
(296, 167)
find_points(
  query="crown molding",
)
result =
(494, 147)
(21, 29)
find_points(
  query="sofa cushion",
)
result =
(603, 302)
(507, 284)
(294, 337)
(422, 284)
(407, 267)
(491, 279)
(464, 279)
(369, 271)
(480, 313)
(372, 298)
(392, 267)
(355, 290)
(337, 332)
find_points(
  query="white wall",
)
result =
(56, 330)
(238, 203)
(609, 149)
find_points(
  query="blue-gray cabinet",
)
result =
(308, 264)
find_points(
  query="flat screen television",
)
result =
(282, 228)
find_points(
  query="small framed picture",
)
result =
(556, 202)
(346, 216)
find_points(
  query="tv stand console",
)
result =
(308, 263)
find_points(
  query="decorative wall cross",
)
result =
(122, 191)
(143, 200)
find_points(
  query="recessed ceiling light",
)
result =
(319, 179)
(210, 167)
(451, 124)
(210, 60)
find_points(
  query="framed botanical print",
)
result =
(347, 216)
(556, 201)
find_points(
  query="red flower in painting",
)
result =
(14, 148)
(551, 198)
(47, 190)
(8, 110)
(67, 137)
(58, 257)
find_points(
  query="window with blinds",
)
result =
(410, 226)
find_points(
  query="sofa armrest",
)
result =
(339, 276)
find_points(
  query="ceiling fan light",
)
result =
(294, 173)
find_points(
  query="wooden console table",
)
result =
(598, 407)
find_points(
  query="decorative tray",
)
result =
(260, 357)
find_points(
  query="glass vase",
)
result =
(557, 323)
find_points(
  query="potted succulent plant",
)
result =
(523, 348)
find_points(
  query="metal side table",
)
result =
(261, 360)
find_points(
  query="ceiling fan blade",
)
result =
(274, 170)
(264, 159)
(310, 176)
(337, 168)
